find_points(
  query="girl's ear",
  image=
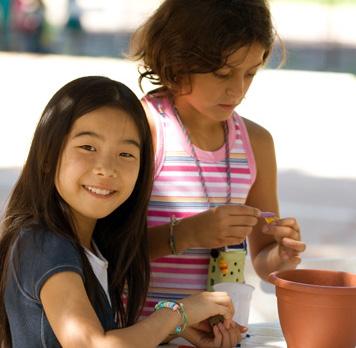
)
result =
(183, 85)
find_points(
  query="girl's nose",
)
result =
(105, 167)
(236, 88)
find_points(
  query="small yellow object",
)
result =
(269, 217)
(269, 220)
(223, 266)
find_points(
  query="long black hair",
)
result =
(34, 201)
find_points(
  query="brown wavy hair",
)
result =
(35, 202)
(184, 37)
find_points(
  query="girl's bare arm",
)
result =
(269, 242)
(76, 325)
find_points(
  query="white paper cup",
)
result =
(241, 295)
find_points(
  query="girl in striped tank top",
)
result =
(215, 170)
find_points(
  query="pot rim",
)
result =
(276, 278)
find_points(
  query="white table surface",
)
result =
(260, 335)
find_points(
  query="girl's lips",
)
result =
(98, 191)
(227, 106)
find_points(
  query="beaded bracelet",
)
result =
(172, 240)
(175, 306)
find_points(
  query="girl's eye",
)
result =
(222, 75)
(126, 155)
(251, 75)
(88, 148)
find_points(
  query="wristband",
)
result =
(175, 307)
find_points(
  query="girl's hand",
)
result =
(218, 336)
(220, 226)
(287, 234)
(207, 304)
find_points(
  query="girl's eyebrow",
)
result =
(100, 137)
(88, 133)
(236, 65)
(257, 65)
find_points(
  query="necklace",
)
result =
(197, 161)
(215, 251)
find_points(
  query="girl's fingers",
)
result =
(244, 220)
(290, 256)
(292, 222)
(286, 253)
(296, 260)
(280, 232)
(226, 312)
(217, 336)
(293, 244)
(242, 329)
(222, 298)
(235, 335)
(238, 210)
(225, 336)
(234, 231)
(287, 234)
(228, 323)
(225, 305)
(286, 222)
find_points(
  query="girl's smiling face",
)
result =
(99, 164)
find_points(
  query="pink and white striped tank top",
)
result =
(177, 190)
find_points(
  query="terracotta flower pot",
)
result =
(316, 308)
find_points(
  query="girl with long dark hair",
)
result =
(74, 263)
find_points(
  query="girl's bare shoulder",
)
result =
(259, 136)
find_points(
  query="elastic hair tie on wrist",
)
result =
(175, 307)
